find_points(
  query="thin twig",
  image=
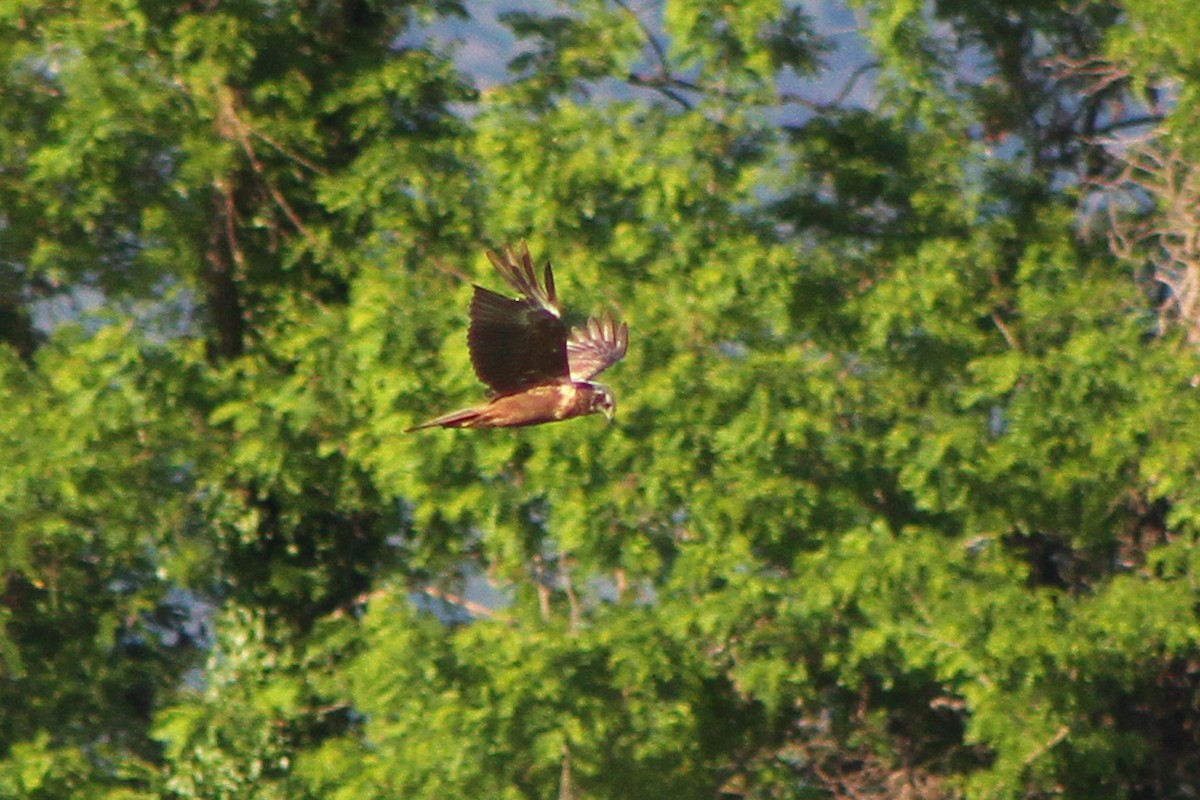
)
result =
(1008, 337)
(662, 85)
(659, 53)
(242, 132)
(470, 606)
(304, 162)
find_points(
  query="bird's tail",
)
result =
(466, 418)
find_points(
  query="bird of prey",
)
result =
(521, 349)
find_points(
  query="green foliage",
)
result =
(900, 497)
(630, 710)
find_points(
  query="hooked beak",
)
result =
(609, 413)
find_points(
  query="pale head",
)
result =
(602, 401)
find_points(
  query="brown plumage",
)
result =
(521, 349)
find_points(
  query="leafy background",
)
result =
(901, 500)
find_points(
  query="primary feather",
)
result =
(596, 347)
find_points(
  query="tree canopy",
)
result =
(901, 496)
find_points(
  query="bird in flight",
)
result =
(521, 349)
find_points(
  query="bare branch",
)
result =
(660, 54)
(232, 125)
(1167, 237)
(663, 85)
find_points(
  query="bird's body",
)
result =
(545, 403)
(520, 348)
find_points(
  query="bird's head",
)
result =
(603, 401)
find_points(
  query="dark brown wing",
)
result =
(516, 344)
(596, 347)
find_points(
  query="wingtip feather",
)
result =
(551, 291)
(518, 270)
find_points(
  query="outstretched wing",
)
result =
(596, 347)
(518, 270)
(518, 343)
